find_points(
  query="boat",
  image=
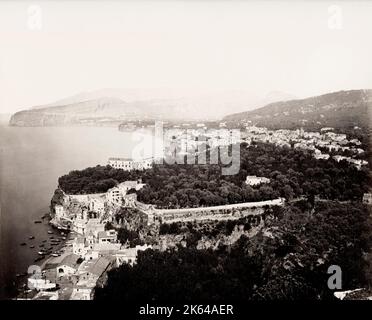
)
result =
(41, 252)
(37, 221)
(31, 237)
(23, 244)
(41, 245)
(31, 247)
(55, 255)
(50, 232)
(21, 274)
(44, 241)
(64, 238)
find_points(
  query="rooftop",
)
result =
(95, 266)
(70, 260)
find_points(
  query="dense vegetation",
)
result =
(290, 263)
(293, 173)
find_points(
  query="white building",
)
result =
(254, 180)
(129, 164)
(60, 212)
(97, 205)
(129, 255)
(39, 284)
(107, 236)
(116, 194)
(68, 265)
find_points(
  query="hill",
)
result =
(338, 109)
(113, 106)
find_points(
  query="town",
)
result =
(93, 247)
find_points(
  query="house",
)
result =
(39, 284)
(89, 273)
(93, 269)
(115, 195)
(94, 226)
(107, 236)
(254, 180)
(68, 265)
(97, 205)
(367, 198)
(79, 225)
(80, 247)
(103, 249)
(60, 212)
(129, 255)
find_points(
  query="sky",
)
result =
(52, 50)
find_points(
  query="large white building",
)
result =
(255, 181)
(129, 164)
(116, 194)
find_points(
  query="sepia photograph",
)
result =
(203, 154)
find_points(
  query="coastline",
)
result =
(54, 231)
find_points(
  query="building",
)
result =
(60, 212)
(254, 180)
(94, 226)
(80, 247)
(367, 198)
(129, 164)
(39, 284)
(97, 205)
(115, 195)
(107, 236)
(129, 255)
(68, 265)
(89, 272)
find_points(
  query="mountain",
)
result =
(112, 106)
(337, 109)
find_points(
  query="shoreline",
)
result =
(57, 233)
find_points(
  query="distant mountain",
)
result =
(112, 106)
(337, 109)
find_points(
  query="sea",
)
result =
(31, 161)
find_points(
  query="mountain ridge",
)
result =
(340, 108)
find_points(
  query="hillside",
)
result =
(339, 109)
(112, 106)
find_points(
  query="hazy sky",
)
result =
(302, 48)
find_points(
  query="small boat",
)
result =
(21, 274)
(50, 232)
(23, 244)
(55, 255)
(31, 237)
(44, 241)
(31, 247)
(37, 221)
(41, 253)
(64, 238)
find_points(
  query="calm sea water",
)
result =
(31, 160)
